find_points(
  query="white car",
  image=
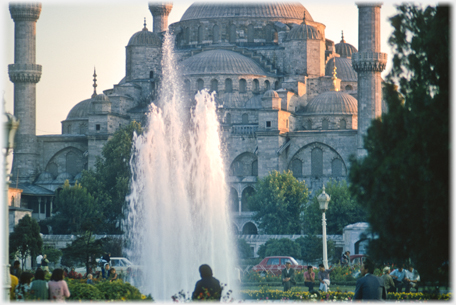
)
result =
(119, 263)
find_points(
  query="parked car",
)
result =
(119, 263)
(275, 265)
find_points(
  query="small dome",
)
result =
(271, 94)
(303, 32)
(102, 97)
(80, 110)
(44, 177)
(220, 62)
(145, 38)
(345, 71)
(345, 49)
(333, 102)
(62, 177)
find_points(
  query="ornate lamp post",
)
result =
(10, 126)
(323, 200)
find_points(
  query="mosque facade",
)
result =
(288, 97)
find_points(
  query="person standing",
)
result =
(288, 276)
(16, 269)
(323, 277)
(38, 261)
(208, 284)
(388, 280)
(39, 290)
(411, 279)
(398, 276)
(45, 263)
(22, 290)
(58, 288)
(309, 278)
(105, 271)
(345, 258)
(369, 286)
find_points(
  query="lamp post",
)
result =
(10, 126)
(323, 200)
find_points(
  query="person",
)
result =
(105, 271)
(45, 263)
(208, 284)
(388, 280)
(107, 257)
(323, 277)
(411, 279)
(309, 278)
(369, 286)
(398, 276)
(112, 275)
(22, 290)
(72, 274)
(39, 290)
(14, 283)
(58, 288)
(345, 258)
(288, 276)
(16, 269)
(89, 279)
(38, 261)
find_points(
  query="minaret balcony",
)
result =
(369, 61)
(24, 73)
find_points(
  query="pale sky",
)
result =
(73, 38)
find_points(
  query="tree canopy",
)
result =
(404, 180)
(279, 201)
(283, 246)
(312, 248)
(26, 239)
(81, 250)
(342, 210)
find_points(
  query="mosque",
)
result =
(288, 97)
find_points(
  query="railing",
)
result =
(244, 129)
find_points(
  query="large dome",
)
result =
(345, 49)
(333, 102)
(246, 10)
(80, 110)
(345, 70)
(220, 62)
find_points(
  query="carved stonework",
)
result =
(24, 73)
(25, 11)
(369, 61)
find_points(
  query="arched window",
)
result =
(255, 168)
(73, 163)
(232, 33)
(336, 168)
(151, 74)
(245, 118)
(275, 36)
(256, 86)
(267, 85)
(216, 34)
(187, 35)
(242, 86)
(234, 200)
(343, 124)
(309, 125)
(187, 85)
(228, 118)
(246, 193)
(200, 34)
(268, 33)
(214, 85)
(200, 84)
(325, 124)
(228, 85)
(296, 167)
(250, 33)
(237, 169)
(316, 160)
(276, 85)
(69, 128)
(348, 88)
(249, 229)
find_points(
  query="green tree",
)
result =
(26, 239)
(312, 248)
(53, 254)
(243, 249)
(342, 210)
(283, 246)
(404, 180)
(279, 201)
(83, 250)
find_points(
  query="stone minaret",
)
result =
(160, 13)
(369, 62)
(25, 73)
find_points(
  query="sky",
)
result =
(74, 38)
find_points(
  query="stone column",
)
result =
(369, 62)
(160, 13)
(25, 73)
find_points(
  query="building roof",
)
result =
(145, 38)
(220, 62)
(333, 102)
(345, 49)
(345, 70)
(246, 10)
(80, 110)
(32, 189)
(303, 32)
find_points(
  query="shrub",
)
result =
(85, 292)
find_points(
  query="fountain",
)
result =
(178, 214)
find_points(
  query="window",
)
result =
(228, 85)
(268, 33)
(267, 85)
(215, 34)
(276, 85)
(309, 125)
(255, 168)
(245, 118)
(348, 88)
(187, 85)
(200, 84)
(200, 34)
(256, 86)
(97, 127)
(228, 118)
(343, 124)
(69, 128)
(325, 124)
(250, 33)
(268, 124)
(242, 86)
(187, 35)
(234, 201)
(273, 261)
(151, 74)
(336, 168)
(296, 167)
(232, 33)
(316, 160)
(248, 191)
(214, 85)
(286, 123)
(249, 229)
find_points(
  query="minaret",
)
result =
(369, 62)
(160, 12)
(25, 73)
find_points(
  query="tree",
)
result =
(26, 239)
(53, 254)
(404, 180)
(342, 210)
(312, 248)
(84, 249)
(279, 201)
(243, 249)
(283, 246)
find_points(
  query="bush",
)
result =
(85, 292)
(118, 290)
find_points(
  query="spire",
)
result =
(94, 83)
(334, 86)
(145, 28)
(342, 37)
(304, 18)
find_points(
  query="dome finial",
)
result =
(334, 79)
(145, 28)
(304, 18)
(94, 82)
(342, 37)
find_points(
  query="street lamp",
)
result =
(323, 200)
(10, 126)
